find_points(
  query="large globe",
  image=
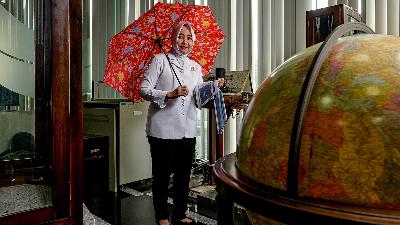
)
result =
(349, 148)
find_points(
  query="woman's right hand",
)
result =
(179, 91)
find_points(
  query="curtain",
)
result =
(260, 34)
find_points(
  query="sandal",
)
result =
(180, 222)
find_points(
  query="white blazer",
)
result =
(171, 118)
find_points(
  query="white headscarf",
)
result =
(175, 33)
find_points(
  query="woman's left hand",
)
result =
(221, 82)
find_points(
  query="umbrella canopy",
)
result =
(131, 50)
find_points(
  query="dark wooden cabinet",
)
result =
(321, 22)
(95, 166)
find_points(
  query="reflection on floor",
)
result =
(133, 205)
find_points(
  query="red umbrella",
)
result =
(131, 50)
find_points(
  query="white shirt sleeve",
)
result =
(147, 88)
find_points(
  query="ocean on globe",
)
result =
(350, 141)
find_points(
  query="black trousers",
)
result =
(171, 156)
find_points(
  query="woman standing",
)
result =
(171, 123)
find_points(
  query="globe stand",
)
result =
(305, 95)
(234, 187)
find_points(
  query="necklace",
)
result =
(180, 64)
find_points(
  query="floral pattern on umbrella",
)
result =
(131, 50)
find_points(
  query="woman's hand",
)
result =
(179, 91)
(221, 82)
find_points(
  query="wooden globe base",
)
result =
(234, 187)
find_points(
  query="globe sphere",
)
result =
(349, 145)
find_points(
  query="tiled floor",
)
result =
(25, 197)
(89, 218)
(133, 207)
(18, 198)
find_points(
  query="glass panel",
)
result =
(24, 179)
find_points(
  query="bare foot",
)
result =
(186, 220)
(163, 222)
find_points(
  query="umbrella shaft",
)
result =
(172, 67)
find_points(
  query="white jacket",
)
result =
(170, 119)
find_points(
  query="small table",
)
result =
(216, 141)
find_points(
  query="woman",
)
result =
(171, 123)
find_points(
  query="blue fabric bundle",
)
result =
(206, 92)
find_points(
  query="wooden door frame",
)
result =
(58, 115)
(67, 118)
(76, 111)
